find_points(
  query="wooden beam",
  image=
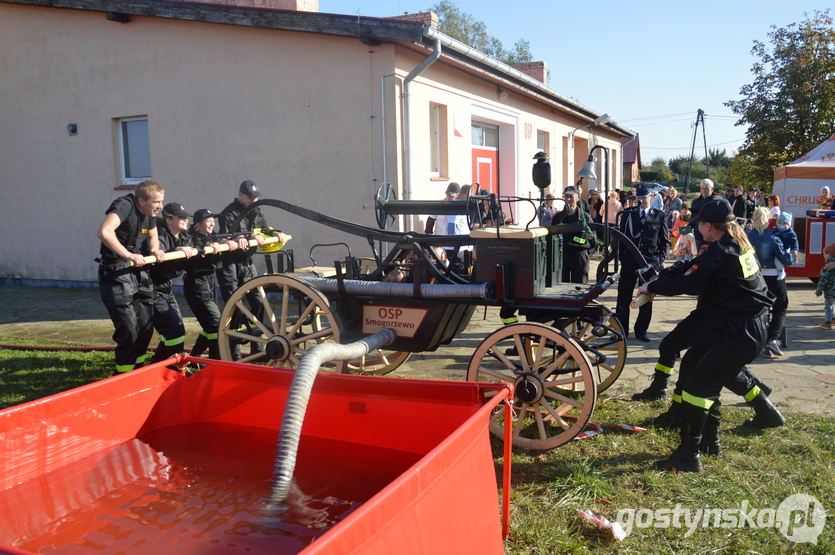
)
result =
(367, 29)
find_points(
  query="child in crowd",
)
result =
(786, 234)
(686, 244)
(826, 287)
(671, 225)
(681, 220)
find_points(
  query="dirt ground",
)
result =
(803, 379)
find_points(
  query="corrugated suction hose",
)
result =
(298, 397)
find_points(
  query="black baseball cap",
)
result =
(202, 214)
(249, 189)
(716, 211)
(453, 188)
(175, 210)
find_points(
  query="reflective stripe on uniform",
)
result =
(122, 368)
(511, 320)
(661, 368)
(676, 398)
(696, 401)
(751, 395)
(208, 336)
(172, 342)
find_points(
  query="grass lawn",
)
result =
(609, 474)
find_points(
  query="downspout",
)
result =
(407, 82)
(383, 120)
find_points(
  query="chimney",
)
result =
(537, 70)
(429, 19)
(292, 5)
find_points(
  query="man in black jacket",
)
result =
(576, 246)
(645, 227)
(237, 267)
(127, 234)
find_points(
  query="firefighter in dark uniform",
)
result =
(731, 290)
(126, 289)
(646, 227)
(237, 267)
(745, 383)
(199, 282)
(576, 246)
(168, 321)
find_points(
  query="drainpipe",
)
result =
(383, 120)
(410, 169)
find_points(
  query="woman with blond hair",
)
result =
(733, 296)
(615, 208)
(773, 259)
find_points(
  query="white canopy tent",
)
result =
(798, 184)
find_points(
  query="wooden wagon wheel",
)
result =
(297, 317)
(377, 362)
(545, 414)
(606, 337)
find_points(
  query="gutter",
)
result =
(577, 108)
(411, 178)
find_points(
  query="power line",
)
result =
(678, 117)
(688, 148)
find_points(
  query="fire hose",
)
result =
(298, 397)
(173, 255)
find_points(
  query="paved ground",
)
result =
(803, 379)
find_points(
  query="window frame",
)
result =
(121, 129)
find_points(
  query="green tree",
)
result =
(464, 27)
(718, 159)
(743, 172)
(657, 171)
(679, 165)
(790, 106)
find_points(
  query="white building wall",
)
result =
(301, 114)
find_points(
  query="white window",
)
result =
(135, 150)
(434, 140)
(485, 135)
(542, 141)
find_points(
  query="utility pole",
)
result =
(700, 117)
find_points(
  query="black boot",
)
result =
(766, 414)
(669, 419)
(764, 387)
(214, 349)
(235, 349)
(710, 433)
(686, 457)
(656, 390)
(199, 346)
(745, 381)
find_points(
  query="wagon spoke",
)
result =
(314, 314)
(545, 415)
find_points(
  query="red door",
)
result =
(486, 169)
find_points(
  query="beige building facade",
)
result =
(318, 109)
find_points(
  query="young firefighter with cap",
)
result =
(644, 226)
(168, 321)
(439, 222)
(199, 282)
(237, 267)
(576, 246)
(126, 290)
(730, 288)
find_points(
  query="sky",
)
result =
(650, 65)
